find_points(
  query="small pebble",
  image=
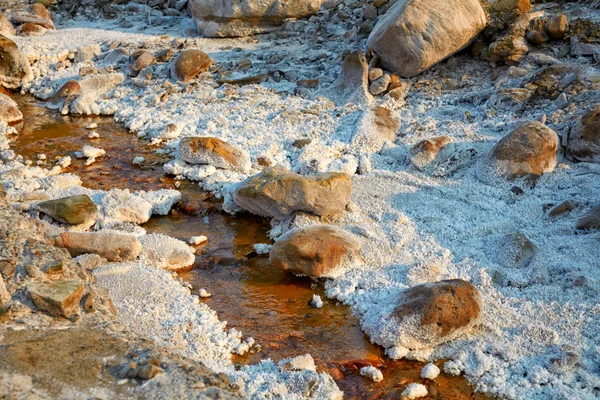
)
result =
(196, 240)
(93, 135)
(204, 294)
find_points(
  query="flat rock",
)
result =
(59, 298)
(527, 152)
(277, 192)
(414, 35)
(590, 221)
(230, 18)
(112, 246)
(215, 152)
(583, 143)
(189, 63)
(72, 210)
(351, 86)
(315, 251)
(14, 66)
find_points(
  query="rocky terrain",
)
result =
(433, 164)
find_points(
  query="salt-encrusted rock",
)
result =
(92, 88)
(143, 60)
(230, 18)
(414, 35)
(87, 53)
(299, 363)
(564, 207)
(527, 152)
(583, 143)
(215, 152)
(315, 251)
(6, 27)
(14, 66)
(189, 63)
(433, 313)
(277, 192)
(162, 251)
(376, 127)
(515, 250)
(112, 246)
(590, 221)
(72, 210)
(557, 26)
(9, 110)
(65, 95)
(59, 298)
(425, 152)
(126, 207)
(351, 86)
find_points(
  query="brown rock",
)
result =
(31, 29)
(66, 94)
(557, 26)
(59, 298)
(386, 123)
(189, 63)
(9, 110)
(38, 10)
(443, 310)
(277, 192)
(583, 143)
(72, 210)
(215, 152)
(527, 152)
(148, 371)
(590, 220)
(537, 37)
(564, 207)
(143, 60)
(112, 246)
(6, 28)
(315, 251)
(425, 152)
(308, 83)
(14, 66)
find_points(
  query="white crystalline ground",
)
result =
(416, 227)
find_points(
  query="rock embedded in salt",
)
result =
(196, 240)
(316, 301)
(430, 371)
(415, 391)
(372, 373)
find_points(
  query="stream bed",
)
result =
(261, 301)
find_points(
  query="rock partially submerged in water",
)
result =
(79, 97)
(65, 95)
(189, 63)
(352, 85)
(59, 298)
(527, 152)
(430, 314)
(14, 66)
(112, 246)
(123, 206)
(583, 143)
(316, 251)
(72, 210)
(215, 152)
(229, 18)
(9, 110)
(277, 192)
(166, 252)
(414, 35)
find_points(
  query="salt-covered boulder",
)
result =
(65, 95)
(316, 251)
(515, 250)
(14, 66)
(9, 110)
(72, 210)
(92, 88)
(414, 35)
(189, 63)
(352, 84)
(430, 314)
(583, 143)
(215, 152)
(234, 18)
(162, 251)
(121, 205)
(112, 246)
(425, 152)
(527, 152)
(277, 192)
(6, 27)
(590, 221)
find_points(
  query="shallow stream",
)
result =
(262, 302)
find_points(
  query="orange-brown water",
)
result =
(262, 302)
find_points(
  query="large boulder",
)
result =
(414, 35)
(14, 66)
(277, 192)
(527, 152)
(315, 251)
(234, 18)
(72, 210)
(584, 139)
(189, 63)
(429, 314)
(215, 152)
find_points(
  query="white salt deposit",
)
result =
(316, 301)
(372, 373)
(203, 293)
(138, 160)
(262, 248)
(93, 135)
(92, 152)
(430, 371)
(415, 391)
(166, 252)
(196, 240)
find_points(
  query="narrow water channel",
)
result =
(262, 302)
